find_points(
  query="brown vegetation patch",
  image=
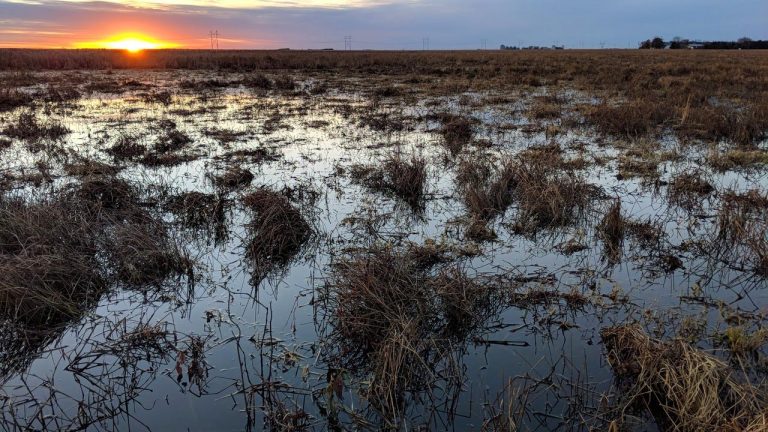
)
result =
(742, 231)
(10, 99)
(399, 323)
(127, 147)
(737, 158)
(611, 231)
(233, 178)
(398, 176)
(61, 254)
(629, 119)
(277, 231)
(687, 189)
(684, 388)
(28, 128)
(547, 191)
(457, 131)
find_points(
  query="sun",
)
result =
(130, 42)
(131, 45)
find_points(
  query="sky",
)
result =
(377, 24)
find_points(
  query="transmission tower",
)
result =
(347, 43)
(483, 44)
(214, 35)
(425, 44)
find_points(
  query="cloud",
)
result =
(384, 24)
(225, 4)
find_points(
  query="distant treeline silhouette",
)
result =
(679, 43)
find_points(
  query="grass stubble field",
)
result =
(290, 240)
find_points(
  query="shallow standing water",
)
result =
(265, 344)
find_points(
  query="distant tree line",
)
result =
(532, 47)
(680, 43)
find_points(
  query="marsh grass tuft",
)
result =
(60, 254)
(11, 99)
(403, 319)
(611, 231)
(742, 235)
(684, 388)
(233, 178)
(687, 190)
(30, 129)
(277, 232)
(402, 177)
(544, 186)
(457, 131)
(739, 158)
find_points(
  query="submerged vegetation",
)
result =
(357, 241)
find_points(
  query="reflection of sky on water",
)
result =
(309, 157)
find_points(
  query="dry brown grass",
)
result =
(49, 269)
(277, 231)
(549, 197)
(457, 131)
(544, 186)
(737, 158)
(684, 388)
(11, 99)
(200, 211)
(687, 190)
(30, 129)
(127, 147)
(60, 254)
(611, 231)
(396, 319)
(405, 178)
(233, 178)
(742, 235)
(629, 120)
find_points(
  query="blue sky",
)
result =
(381, 24)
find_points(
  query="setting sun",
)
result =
(130, 42)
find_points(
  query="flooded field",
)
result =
(475, 241)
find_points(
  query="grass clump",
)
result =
(170, 138)
(48, 270)
(737, 159)
(743, 342)
(398, 176)
(457, 132)
(11, 99)
(611, 231)
(545, 187)
(629, 120)
(546, 108)
(549, 197)
(742, 233)
(277, 231)
(685, 389)
(687, 189)
(233, 178)
(28, 128)
(143, 255)
(127, 147)
(398, 321)
(60, 254)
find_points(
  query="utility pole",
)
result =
(347, 43)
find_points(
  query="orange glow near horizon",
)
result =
(131, 42)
